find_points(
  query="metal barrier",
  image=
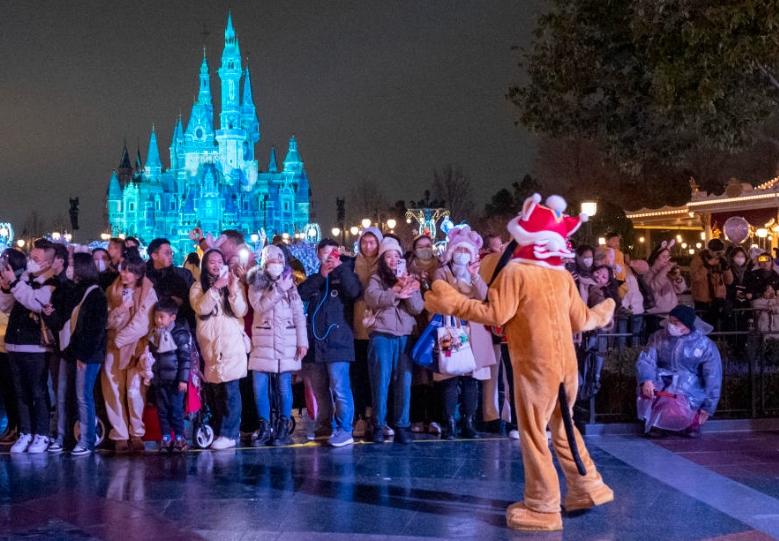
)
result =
(750, 359)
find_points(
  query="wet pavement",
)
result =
(427, 490)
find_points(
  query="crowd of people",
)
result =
(256, 329)
(253, 329)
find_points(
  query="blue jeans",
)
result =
(227, 406)
(261, 381)
(388, 362)
(80, 378)
(331, 384)
(170, 408)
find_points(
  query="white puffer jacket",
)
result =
(279, 325)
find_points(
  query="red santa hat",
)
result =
(542, 232)
(463, 237)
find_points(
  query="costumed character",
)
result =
(538, 304)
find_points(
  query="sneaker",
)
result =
(222, 443)
(80, 451)
(434, 428)
(166, 445)
(417, 428)
(388, 432)
(340, 438)
(360, 428)
(39, 445)
(514, 434)
(180, 446)
(21, 444)
(56, 448)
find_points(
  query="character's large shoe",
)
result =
(519, 517)
(582, 501)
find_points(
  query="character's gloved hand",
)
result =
(442, 299)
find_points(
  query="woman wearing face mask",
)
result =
(394, 298)
(737, 299)
(83, 344)
(219, 301)
(461, 269)
(279, 341)
(679, 376)
(131, 300)
(666, 283)
(425, 400)
(593, 355)
(581, 269)
(365, 265)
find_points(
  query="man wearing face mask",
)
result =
(28, 342)
(679, 376)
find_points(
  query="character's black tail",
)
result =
(565, 411)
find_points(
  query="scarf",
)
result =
(162, 339)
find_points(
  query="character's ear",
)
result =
(529, 205)
(671, 244)
(664, 244)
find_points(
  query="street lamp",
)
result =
(366, 223)
(762, 232)
(590, 208)
(679, 239)
(20, 243)
(354, 230)
(641, 240)
(104, 236)
(255, 238)
(56, 235)
(391, 223)
(335, 231)
(68, 237)
(601, 241)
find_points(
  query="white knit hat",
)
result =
(389, 243)
(272, 253)
(463, 237)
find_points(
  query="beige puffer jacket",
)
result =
(222, 340)
(278, 328)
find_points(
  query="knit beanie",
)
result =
(685, 314)
(463, 237)
(272, 253)
(390, 243)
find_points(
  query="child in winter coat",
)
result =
(170, 344)
(279, 340)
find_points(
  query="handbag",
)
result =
(70, 324)
(455, 356)
(422, 352)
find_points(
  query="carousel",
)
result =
(741, 214)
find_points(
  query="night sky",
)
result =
(374, 90)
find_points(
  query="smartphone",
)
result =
(400, 270)
(127, 294)
(223, 271)
(243, 256)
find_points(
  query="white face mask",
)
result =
(425, 254)
(274, 269)
(100, 264)
(587, 262)
(69, 273)
(675, 330)
(739, 260)
(461, 259)
(33, 267)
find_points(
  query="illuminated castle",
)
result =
(214, 180)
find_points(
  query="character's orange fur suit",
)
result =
(538, 304)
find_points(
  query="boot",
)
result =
(263, 433)
(450, 430)
(469, 431)
(282, 436)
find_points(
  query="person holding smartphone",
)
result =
(279, 341)
(395, 299)
(330, 295)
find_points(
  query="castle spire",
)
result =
(292, 161)
(229, 30)
(272, 166)
(153, 163)
(248, 99)
(124, 162)
(204, 92)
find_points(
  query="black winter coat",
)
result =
(174, 365)
(330, 304)
(88, 338)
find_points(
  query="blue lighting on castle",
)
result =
(214, 180)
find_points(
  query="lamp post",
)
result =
(391, 223)
(590, 208)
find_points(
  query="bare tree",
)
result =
(366, 200)
(453, 187)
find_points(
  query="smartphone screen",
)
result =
(400, 270)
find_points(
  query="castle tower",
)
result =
(230, 136)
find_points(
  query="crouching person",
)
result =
(679, 376)
(170, 343)
(279, 341)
